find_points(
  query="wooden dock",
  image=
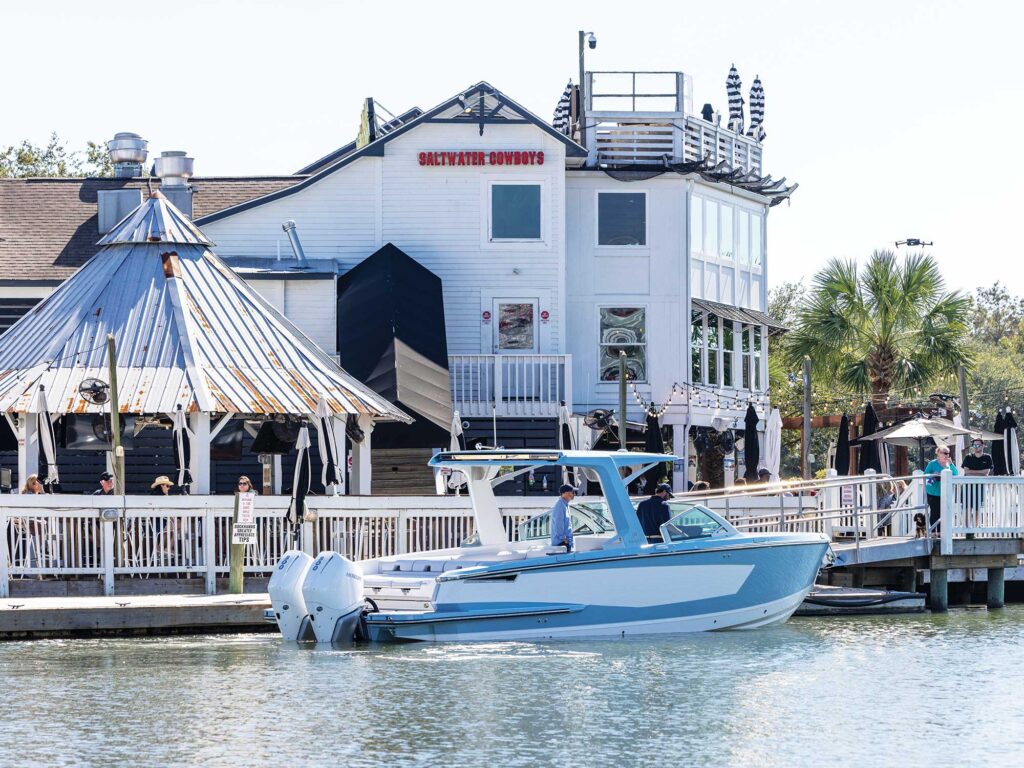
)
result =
(39, 617)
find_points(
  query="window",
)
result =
(710, 227)
(756, 251)
(712, 339)
(725, 246)
(696, 345)
(690, 521)
(515, 212)
(623, 329)
(621, 218)
(747, 333)
(757, 358)
(743, 251)
(727, 353)
(696, 224)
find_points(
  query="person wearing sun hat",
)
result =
(161, 486)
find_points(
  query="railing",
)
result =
(641, 118)
(981, 507)
(125, 537)
(511, 385)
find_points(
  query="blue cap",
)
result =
(666, 488)
(565, 488)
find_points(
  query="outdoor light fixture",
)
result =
(591, 40)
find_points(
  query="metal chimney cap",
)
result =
(290, 224)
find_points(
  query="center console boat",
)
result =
(702, 575)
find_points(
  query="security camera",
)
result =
(592, 41)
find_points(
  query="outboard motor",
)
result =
(285, 591)
(333, 592)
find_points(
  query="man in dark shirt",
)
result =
(655, 512)
(106, 485)
(979, 464)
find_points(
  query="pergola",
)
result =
(191, 337)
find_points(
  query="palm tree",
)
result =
(890, 326)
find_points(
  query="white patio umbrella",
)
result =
(300, 481)
(328, 445)
(46, 439)
(958, 444)
(914, 432)
(457, 443)
(772, 457)
(732, 90)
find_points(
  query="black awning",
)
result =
(740, 314)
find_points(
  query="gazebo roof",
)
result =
(188, 332)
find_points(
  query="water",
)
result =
(911, 690)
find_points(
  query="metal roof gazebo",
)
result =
(190, 335)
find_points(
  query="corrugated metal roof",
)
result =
(155, 221)
(188, 332)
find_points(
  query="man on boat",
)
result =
(655, 512)
(561, 527)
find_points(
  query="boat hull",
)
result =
(728, 587)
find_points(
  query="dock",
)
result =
(43, 617)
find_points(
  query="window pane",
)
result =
(725, 249)
(743, 243)
(727, 355)
(757, 359)
(515, 212)
(696, 224)
(712, 337)
(515, 326)
(696, 342)
(621, 218)
(636, 362)
(746, 356)
(623, 326)
(711, 227)
(755, 240)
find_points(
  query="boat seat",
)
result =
(455, 565)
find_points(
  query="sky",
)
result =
(898, 119)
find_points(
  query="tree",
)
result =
(888, 327)
(55, 159)
(997, 317)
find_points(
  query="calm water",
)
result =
(912, 690)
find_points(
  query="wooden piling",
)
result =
(235, 583)
(938, 598)
(996, 591)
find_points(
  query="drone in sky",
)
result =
(913, 242)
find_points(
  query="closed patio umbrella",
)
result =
(958, 457)
(842, 466)
(732, 90)
(1010, 442)
(868, 447)
(998, 446)
(751, 448)
(653, 443)
(47, 441)
(756, 110)
(300, 481)
(182, 436)
(456, 443)
(328, 445)
(773, 445)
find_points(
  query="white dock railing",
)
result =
(513, 385)
(117, 537)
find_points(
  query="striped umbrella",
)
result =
(563, 112)
(328, 445)
(756, 110)
(732, 90)
(182, 438)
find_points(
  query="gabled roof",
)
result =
(188, 332)
(333, 157)
(49, 226)
(481, 104)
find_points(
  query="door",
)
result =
(515, 327)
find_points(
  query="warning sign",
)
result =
(244, 529)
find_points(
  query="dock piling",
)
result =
(938, 598)
(996, 589)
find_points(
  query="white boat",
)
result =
(702, 575)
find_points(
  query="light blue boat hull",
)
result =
(735, 583)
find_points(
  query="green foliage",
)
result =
(997, 317)
(888, 326)
(28, 160)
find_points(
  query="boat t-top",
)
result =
(700, 574)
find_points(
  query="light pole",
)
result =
(590, 40)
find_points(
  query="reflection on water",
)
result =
(917, 690)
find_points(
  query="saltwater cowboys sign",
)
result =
(495, 157)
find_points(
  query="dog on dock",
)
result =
(920, 526)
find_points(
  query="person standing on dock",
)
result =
(976, 464)
(934, 487)
(561, 525)
(106, 485)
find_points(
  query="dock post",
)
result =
(946, 512)
(996, 587)
(209, 549)
(235, 586)
(107, 553)
(938, 599)
(5, 573)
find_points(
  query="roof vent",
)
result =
(293, 238)
(174, 169)
(128, 153)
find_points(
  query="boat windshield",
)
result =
(690, 521)
(587, 518)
